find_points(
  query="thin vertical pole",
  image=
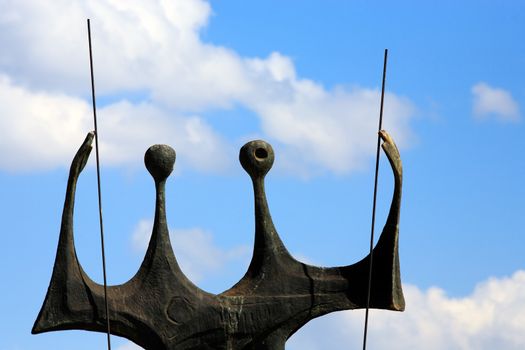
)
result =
(369, 289)
(108, 329)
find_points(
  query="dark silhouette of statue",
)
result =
(161, 309)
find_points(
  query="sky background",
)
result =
(206, 77)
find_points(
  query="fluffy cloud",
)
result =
(195, 250)
(129, 346)
(331, 130)
(494, 102)
(493, 316)
(38, 128)
(43, 130)
(153, 51)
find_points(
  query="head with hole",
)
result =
(256, 158)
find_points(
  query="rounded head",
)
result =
(159, 160)
(256, 157)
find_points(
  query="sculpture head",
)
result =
(256, 158)
(159, 160)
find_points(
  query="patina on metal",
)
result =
(161, 309)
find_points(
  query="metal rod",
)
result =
(99, 187)
(374, 202)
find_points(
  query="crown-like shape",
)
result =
(161, 309)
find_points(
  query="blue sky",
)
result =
(205, 77)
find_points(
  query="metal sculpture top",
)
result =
(161, 309)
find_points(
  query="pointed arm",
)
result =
(73, 300)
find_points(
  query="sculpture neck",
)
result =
(159, 243)
(160, 222)
(266, 237)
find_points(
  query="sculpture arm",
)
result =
(386, 291)
(346, 287)
(73, 300)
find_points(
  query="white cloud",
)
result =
(39, 129)
(493, 316)
(153, 49)
(43, 130)
(196, 253)
(129, 346)
(332, 130)
(494, 102)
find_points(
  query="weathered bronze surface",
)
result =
(160, 308)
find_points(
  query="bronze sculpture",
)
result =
(160, 309)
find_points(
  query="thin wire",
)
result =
(98, 186)
(374, 202)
